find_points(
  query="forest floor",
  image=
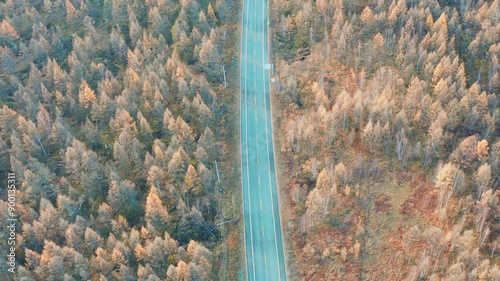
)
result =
(230, 254)
(282, 175)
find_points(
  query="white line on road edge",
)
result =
(267, 148)
(246, 135)
(241, 137)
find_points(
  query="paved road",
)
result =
(264, 244)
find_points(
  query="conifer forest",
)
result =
(120, 143)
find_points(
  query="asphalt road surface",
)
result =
(264, 245)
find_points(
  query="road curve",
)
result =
(263, 240)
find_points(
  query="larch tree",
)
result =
(200, 266)
(122, 198)
(122, 121)
(203, 112)
(177, 166)
(211, 14)
(101, 264)
(207, 178)
(160, 24)
(192, 182)
(8, 33)
(466, 152)
(93, 240)
(146, 273)
(92, 133)
(436, 130)
(158, 252)
(368, 134)
(324, 180)
(135, 30)
(203, 23)
(341, 173)
(49, 225)
(482, 179)
(482, 150)
(449, 180)
(179, 272)
(180, 25)
(158, 151)
(201, 154)
(156, 214)
(317, 205)
(84, 169)
(38, 184)
(190, 224)
(184, 131)
(156, 177)
(128, 154)
(144, 129)
(104, 218)
(209, 57)
(168, 121)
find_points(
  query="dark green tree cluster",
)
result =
(106, 117)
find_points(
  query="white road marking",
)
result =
(246, 142)
(246, 29)
(262, 226)
(267, 147)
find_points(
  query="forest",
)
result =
(118, 120)
(388, 136)
(110, 120)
